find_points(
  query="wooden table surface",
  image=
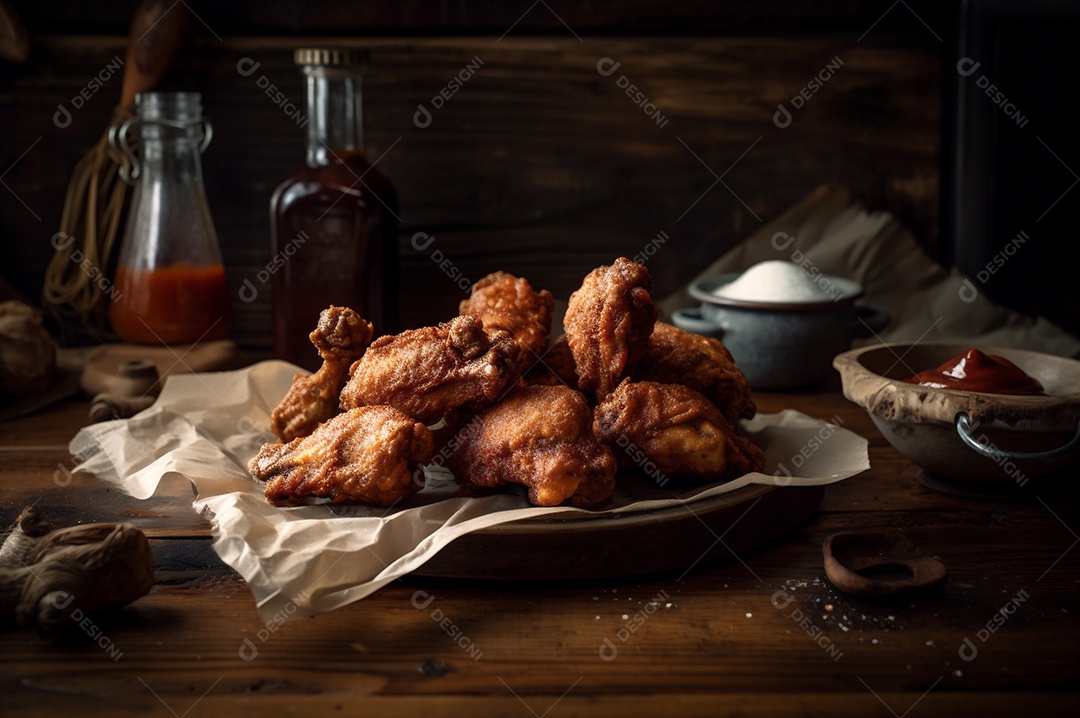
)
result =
(765, 634)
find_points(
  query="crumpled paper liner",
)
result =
(307, 559)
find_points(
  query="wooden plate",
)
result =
(671, 540)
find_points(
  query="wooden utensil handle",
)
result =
(14, 40)
(159, 31)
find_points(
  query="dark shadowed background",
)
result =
(539, 164)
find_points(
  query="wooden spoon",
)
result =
(159, 31)
(14, 40)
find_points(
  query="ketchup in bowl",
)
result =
(975, 371)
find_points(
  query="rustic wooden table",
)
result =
(765, 634)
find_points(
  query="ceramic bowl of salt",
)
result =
(782, 323)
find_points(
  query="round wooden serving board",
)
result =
(670, 540)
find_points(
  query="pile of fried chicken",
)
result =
(507, 405)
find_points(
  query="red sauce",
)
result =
(175, 305)
(975, 371)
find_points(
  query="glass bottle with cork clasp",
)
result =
(334, 219)
(170, 281)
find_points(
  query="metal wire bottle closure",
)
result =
(118, 139)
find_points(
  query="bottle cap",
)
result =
(332, 56)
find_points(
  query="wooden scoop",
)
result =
(159, 31)
(879, 563)
(14, 40)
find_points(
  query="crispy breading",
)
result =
(504, 302)
(341, 337)
(539, 436)
(673, 356)
(431, 371)
(608, 323)
(555, 367)
(367, 454)
(676, 429)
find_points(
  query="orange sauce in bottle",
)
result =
(178, 304)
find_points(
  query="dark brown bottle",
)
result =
(333, 220)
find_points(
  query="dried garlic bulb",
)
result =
(27, 351)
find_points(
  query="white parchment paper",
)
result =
(307, 559)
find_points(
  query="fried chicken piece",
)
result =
(676, 430)
(366, 454)
(674, 356)
(539, 436)
(428, 372)
(555, 367)
(608, 323)
(504, 302)
(341, 337)
(743, 456)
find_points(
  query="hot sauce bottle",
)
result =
(169, 286)
(333, 220)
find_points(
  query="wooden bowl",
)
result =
(968, 436)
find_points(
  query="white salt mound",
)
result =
(774, 281)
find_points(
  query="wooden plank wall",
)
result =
(539, 164)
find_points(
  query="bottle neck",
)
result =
(335, 114)
(171, 132)
(174, 159)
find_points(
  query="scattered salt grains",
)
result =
(668, 605)
(930, 643)
(749, 615)
(875, 641)
(958, 674)
(625, 616)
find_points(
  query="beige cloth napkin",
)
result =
(928, 303)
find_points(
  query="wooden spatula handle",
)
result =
(14, 40)
(159, 32)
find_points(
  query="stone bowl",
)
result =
(781, 345)
(967, 436)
